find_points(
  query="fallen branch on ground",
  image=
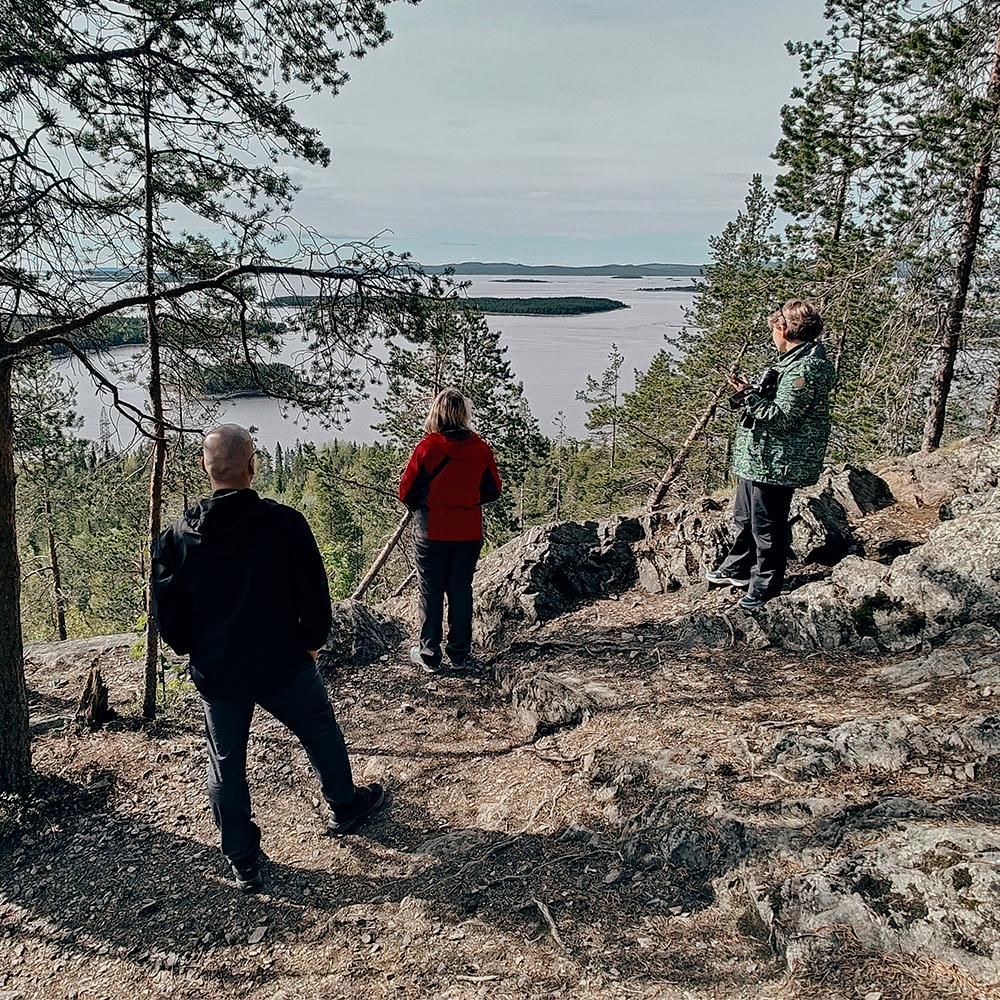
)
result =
(547, 916)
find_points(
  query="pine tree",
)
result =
(65, 213)
(602, 396)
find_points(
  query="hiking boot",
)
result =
(417, 659)
(367, 798)
(718, 579)
(748, 603)
(247, 874)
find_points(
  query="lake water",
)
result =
(552, 355)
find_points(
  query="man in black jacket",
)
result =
(239, 585)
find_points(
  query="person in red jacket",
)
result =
(450, 475)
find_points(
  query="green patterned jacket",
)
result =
(782, 440)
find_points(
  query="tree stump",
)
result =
(94, 710)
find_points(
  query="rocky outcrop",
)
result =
(929, 480)
(548, 570)
(360, 634)
(950, 581)
(888, 745)
(680, 545)
(81, 654)
(921, 889)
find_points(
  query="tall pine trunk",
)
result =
(951, 324)
(159, 429)
(15, 745)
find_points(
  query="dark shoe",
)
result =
(417, 659)
(466, 666)
(749, 603)
(367, 798)
(247, 875)
(718, 579)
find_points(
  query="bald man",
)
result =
(239, 585)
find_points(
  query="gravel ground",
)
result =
(507, 864)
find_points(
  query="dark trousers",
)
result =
(446, 568)
(304, 707)
(760, 552)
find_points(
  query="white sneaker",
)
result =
(417, 659)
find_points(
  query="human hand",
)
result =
(314, 653)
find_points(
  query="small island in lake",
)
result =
(240, 381)
(519, 281)
(563, 305)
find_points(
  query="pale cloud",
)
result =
(538, 127)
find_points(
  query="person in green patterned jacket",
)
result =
(781, 439)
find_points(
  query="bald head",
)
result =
(227, 456)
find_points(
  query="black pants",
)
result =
(760, 552)
(446, 568)
(304, 707)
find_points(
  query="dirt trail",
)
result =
(508, 865)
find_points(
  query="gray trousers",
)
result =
(304, 707)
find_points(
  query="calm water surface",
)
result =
(552, 355)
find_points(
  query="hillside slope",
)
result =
(645, 795)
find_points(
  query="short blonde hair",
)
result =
(449, 411)
(801, 319)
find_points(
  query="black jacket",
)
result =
(239, 584)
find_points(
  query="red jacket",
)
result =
(447, 480)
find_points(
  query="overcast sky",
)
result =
(556, 131)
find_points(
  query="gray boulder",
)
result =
(931, 479)
(859, 491)
(547, 571)
(360, 635)
(921, 890)
(950, 581)
(680, 545)
(81, 654)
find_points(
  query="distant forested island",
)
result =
(673, 288)
(520, 281)
(233, 381)
(596, 270)
(563, 305)
(112, 331)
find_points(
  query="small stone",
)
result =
(257, 935)
(612, 877)
(874, 995)
(920, 770)
(970, 770)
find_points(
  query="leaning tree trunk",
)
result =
(15, 745)
(57, 591)
(381, 558)
(159, 428)
(994, 414)
(951, 325)
(659, 493)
